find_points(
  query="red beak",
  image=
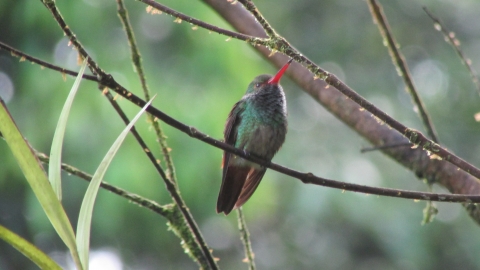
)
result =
(278, 76)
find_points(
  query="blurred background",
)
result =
(198, 76)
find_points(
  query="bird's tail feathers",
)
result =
(232, 185)
(253, 179)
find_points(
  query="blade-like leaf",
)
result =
(86, 210)
(54, 167)
(36, 177)
(30, 251)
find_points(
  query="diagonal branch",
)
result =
(450, 38)
(23, 56)
(196, 22)
(137, 62)
(401, 65)
(132, 197)
(250, 6)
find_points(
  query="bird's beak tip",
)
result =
(276, 79)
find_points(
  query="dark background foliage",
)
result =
(198, 77)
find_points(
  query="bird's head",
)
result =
(265, 82)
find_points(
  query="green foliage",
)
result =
(29, 250)
(54, 168)
(37, 179)
(86, 210)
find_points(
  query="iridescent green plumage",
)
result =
(258, 125)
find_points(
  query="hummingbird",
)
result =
(257, 124)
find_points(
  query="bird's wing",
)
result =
(233, 177)
(230, 132)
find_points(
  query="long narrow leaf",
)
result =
(86, 210)
(36, 177)
(30, 251)
(54, 167)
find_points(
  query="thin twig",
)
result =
(401, 64)
(169, 211)
(430, 210)
(450, 38)
(197, 22)
(385, 146)
(171, 187)
(25, 57)
(93, 66)
(245, 237)
(307, 178)
(137, 62)
(256, 13)
(135, 198)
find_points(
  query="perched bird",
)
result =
(258, 125)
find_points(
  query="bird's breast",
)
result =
(261, 136)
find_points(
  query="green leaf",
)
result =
(54, 167)
(30, 251)
(36, 177)
(86, 210)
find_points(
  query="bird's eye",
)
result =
(257, 85)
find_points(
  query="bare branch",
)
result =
(245, 237)
(23, 56)
(197, 22)
(250, 6)
(135, 198)
(401, 65)
(450, 38)
(385, 146)
(137, 62)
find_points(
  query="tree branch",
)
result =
(196, 22)
(162, 210)
(250, 6)
(245, 237)
(450, 38)
(137, 63)
(401, 64)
